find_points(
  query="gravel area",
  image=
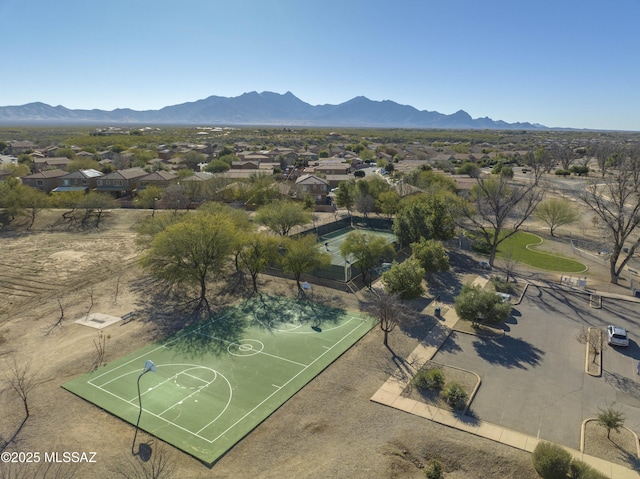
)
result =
(620, 447)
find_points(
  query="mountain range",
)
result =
(266, 108)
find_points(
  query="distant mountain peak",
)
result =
(264, 108)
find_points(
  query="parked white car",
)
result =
(506, 298)
(617, 336)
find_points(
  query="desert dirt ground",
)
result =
(329, 429)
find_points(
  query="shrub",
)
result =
(429, 379)
(433, 470)
(551, 461)
(503, 286)
(582, 470)
(455, 395)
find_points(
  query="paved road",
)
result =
(533, 378)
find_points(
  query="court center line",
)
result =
(278, 390)
(197, 434)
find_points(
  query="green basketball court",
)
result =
(217, 381)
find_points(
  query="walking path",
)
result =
(390, 394)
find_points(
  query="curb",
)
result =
(584, 426)
(586, 361)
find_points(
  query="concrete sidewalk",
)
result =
(390, 394)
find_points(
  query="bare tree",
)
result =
(593, 338)
(509, 263)
(58, 322)
(616, 203)
(495, 210)
(41, 470)
(532, 160)
(602, 152)
(562, 154)
(22, 381)
(100, 344)
(388, 309)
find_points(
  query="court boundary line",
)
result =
(197, 434)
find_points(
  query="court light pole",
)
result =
(148, 366)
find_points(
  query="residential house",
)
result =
(17, 147)
(245, 165)
(81, 180)
(120, 183)
(57, 162)
(314, 186)
(333, 168)
(159, 178)
(85, 155)
(252, 156)
(196, 185)
(4, 174)
(308, 157)
(45, 180)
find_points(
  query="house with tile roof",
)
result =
(120, 183)
(45, 180)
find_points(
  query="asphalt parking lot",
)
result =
(533, 377)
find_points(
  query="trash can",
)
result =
(437, 311)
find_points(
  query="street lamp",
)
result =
(148, 366)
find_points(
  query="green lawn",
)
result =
(523, 248)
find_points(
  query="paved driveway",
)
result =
(533, 378)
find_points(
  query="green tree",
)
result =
(34, 201)
(66, 153)
(345, 195)
(556, 212)
(258, 251)
(192, 159)
(367, 155)
(367, 251)
(431, 181)
(12, 195)
(217, 166)
(192, 251)
(473, 304)
(404, 279)
(389, 203)
(281, 216)
(469, 168)
(148, 198)
(610, 419)
(427, 218)
(302, 256)
(431, 255)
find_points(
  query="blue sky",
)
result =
(564, 63)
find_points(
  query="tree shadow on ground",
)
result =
(441, 337)
(214, 335)
(271, 312)
(508, 352)
(625, 385)
(470, 418)
(170, 309)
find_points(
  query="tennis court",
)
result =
(331, 242)
(217, 381)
